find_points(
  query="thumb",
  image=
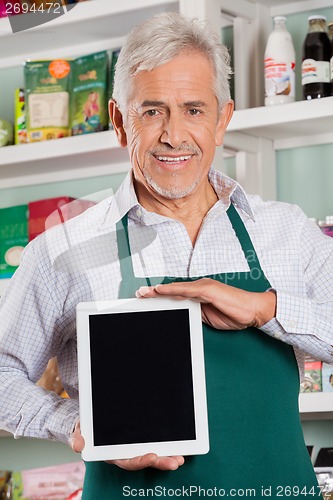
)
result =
(76, 440)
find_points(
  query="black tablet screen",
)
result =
(141, 374)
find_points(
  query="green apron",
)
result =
(256, 439)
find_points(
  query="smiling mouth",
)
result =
(172, 160)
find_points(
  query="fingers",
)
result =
(149, 460)
(76, 440)
(200, 290)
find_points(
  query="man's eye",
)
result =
(151, 112)
(194, 112)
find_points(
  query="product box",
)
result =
(20, 128)
(312, 375)
(44, 214)
(89, 111)
(327, 377)
(13, 238)
(47, 98)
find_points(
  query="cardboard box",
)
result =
(13, 238)
(327, 377)
(312, 375)
(44, 214)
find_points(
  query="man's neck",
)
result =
(190, 210)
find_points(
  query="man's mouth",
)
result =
(170, 160)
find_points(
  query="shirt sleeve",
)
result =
(307, 322)
(30, 335)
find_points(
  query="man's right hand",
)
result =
(76, 442)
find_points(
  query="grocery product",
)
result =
(13, 238)
(327, 225)
(316, 77)
(47, 98)
(327, 377)
(20, 119)
(6, 133)
(312, 375)
(330, 31)
(279, 65)
(89, 94)
(44, 214)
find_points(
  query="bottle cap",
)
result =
(279, 18)
(312, 18)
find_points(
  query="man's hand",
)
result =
(223, 306)
(76, 442)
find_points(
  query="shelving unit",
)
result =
(69, 158)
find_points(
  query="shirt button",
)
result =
(277, 335)
(139, 212)
(194, 270)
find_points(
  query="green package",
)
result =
(89, 111)
(47, 99)
(13, 238)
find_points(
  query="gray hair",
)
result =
(161, 38)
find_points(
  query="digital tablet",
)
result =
(141, 378)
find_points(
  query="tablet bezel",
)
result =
(198, 446)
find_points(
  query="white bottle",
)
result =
(279, 65)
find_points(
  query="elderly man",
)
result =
(261, 270)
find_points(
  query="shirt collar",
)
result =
(125, 199)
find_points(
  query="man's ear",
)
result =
(117, 121)
(223, 122)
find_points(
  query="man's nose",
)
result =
(174, 131)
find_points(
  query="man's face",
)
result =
(173, 125)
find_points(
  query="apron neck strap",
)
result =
(124, 249)
(244, 238)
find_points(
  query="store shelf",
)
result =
(78, 157)
(316, 406)
(89, 27)
(302, 123)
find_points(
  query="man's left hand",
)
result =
(224, 307)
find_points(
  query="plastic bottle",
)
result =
(279, 65)
(316, 77)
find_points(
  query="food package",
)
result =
(327, 377)
(13, 238)
(20, 121)
(6, 133)
(44, 214)
(47, 99)
(89, 111)
(312, 375)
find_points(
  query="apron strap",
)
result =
(124, 249)
(244, 239)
